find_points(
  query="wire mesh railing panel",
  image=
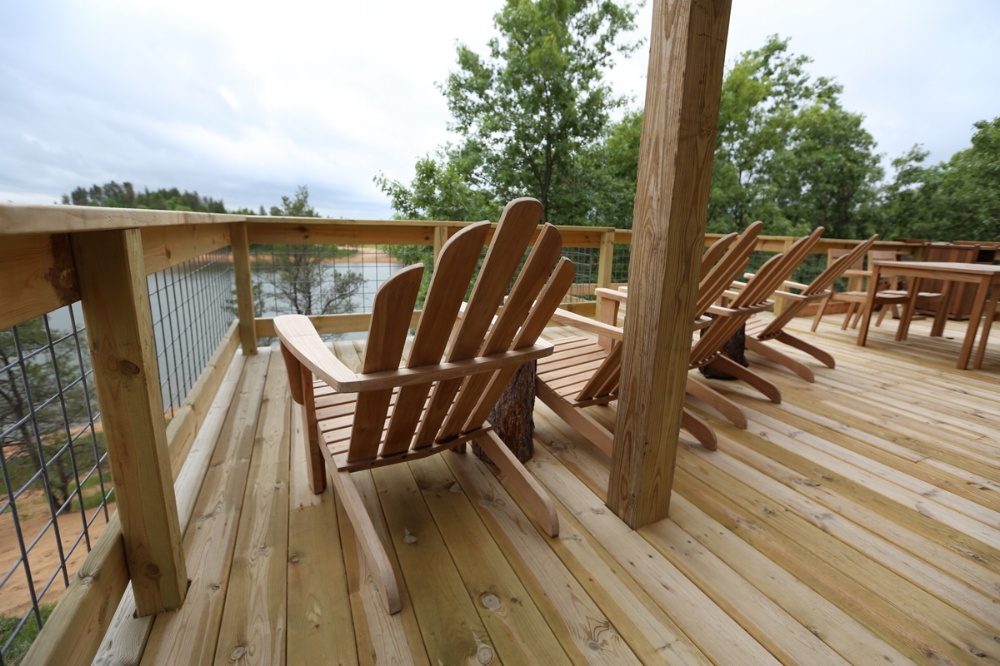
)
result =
(56, 493)
(586, 261)
(56, 486)
(192, 305)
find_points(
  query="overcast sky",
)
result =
(246, 100)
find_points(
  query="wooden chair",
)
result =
(387, 414)
(760, 331)
(857, 297)
(582, 373)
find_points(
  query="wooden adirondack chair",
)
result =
(442, 397)
(582, 372)
(760, 331)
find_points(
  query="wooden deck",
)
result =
(858, 522)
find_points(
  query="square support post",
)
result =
(605, 261)
(683, 91)
(244, 286)
(111, 273)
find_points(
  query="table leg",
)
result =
(991, 309)
(977, 312)
(911, 304)
(941, 316)
(869, 306)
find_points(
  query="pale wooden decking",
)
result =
(857, 522)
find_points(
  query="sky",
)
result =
(245, 101)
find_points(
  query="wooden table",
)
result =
(986, 276)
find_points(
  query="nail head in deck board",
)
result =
(320, 626)
(189, 635)
(256, 611)
(516, 628)
(449, 623)
(572, 615)
(115, 298)
(684, 87)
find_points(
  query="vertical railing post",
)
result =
(687, 52)
(440, 238)
(111, 273)
(605, 261)
(244, 286)
(780, 303)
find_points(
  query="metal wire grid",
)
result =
(52, 452)
(192, 306)
(47, 438)
(586, 260)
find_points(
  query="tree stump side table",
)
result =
(512, 417)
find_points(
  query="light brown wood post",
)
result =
(605, 262)
(780, 303)
(244, 286)
(112, 277)
(440, 238)
(683, 89)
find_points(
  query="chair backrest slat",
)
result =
(513, 233)
(541, 312)
(386, 337)
(715, 252)
(455, 266)
(838, 262)
(727, 269)
(541, 260)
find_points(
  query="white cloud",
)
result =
(247, 100)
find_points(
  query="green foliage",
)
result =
(787, 153)
(526, 112)
(27, 636)
(957, 199)
(296, 206)
(113, 195)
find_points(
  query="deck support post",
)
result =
(684, 87)
(244, 286)
(111, 272)
(605, 262)
(440, 238)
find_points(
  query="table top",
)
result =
(953, 267)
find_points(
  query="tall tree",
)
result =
(525, 113)
(955, 200)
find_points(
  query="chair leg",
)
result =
(733, 368)
(861, 311)
(823, 357)
(527, 486)
(820, 312)
(699, 430)
(729, 409)
(583, 423)
(769, 352)
(881, 314)
(847, 316)
(367, 537)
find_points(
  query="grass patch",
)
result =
(23, 641)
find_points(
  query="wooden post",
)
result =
(244, 286)
(440, 238)
(684, 86)
(112, 277)
(780, 303)
(605, 262)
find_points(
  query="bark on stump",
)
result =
(735, 348)
(512, 418)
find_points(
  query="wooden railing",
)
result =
(53, 256)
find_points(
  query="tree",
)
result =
(303, 280)
(954, 200)
(113, 195)
(525, 113)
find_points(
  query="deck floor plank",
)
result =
(856, 522)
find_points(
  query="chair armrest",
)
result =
(857, 272)
(702, 322)
(790, 296)
(620, 296)
(299, 337)
(796, 285)
(579, 321)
